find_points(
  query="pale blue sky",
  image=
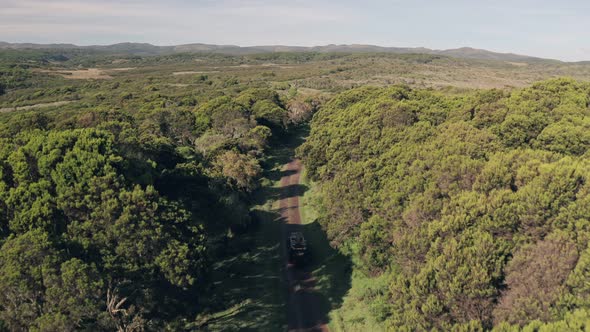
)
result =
(552, 29)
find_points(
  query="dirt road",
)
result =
(304, 313)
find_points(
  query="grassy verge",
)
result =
(331, 269)
(360, 305)
(307, 206)
(355, 298)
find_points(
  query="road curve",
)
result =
(304, 313)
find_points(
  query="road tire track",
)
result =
(303, 309)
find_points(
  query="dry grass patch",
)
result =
(121, 69)
(28, 107)
(178, 85)
(177, 73)
(81, 74)
(518, 64)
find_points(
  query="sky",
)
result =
(550, 29)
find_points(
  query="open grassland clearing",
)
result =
(87, 73)
(81, 74)
(177, 73)
(30, 107)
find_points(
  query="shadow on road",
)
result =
(320, 284)
(276, 193)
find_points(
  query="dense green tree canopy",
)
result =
(475, 206)
(111, 219)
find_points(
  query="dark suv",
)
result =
(297, 248)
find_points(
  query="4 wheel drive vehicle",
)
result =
(297, 248)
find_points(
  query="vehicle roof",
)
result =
(297, 236)
(297, 239)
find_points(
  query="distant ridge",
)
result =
(149, 49)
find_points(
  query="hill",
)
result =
(149, 49)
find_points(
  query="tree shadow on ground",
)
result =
(276, 175)
(247, 292)
(276, 193)
(332, 269)
(279, 154)
(281, 150)
(268, 193)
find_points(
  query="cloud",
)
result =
(175, 21)
(536, 27)
(34, 28)
(293, 10)
(299, 11)
(35, 8)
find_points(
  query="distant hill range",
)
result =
(149, 49)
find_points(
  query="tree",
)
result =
(535, 280)
(268, 113)
(241, 170)
(438, 192)
(27, 262)
(72, 297)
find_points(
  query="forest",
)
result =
(470, 211)
(131, 190)
(113, 213)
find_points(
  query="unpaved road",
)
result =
(304, 312)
